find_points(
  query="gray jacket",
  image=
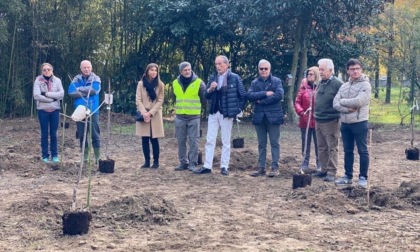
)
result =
(48, 100)
(354, 94)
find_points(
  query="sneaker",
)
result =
(181, 167)
(45, 160)
(329, 178)
(319, 174)
(304, 168)
(259, 172)
(344, 181)
(55, 160)
(192, 167)
(363, 182)
(274, 173)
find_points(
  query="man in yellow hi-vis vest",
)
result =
(189, 91)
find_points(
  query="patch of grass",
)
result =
(383, 113)
(131, 128)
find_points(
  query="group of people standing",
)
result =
(48, 91)
(226, 97)
(327, 107)
(324, 105)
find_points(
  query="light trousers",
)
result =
(214, 122)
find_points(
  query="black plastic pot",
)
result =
(412, 153)
(238, 143)
(76, 223)
(106, 166)
(301, 180)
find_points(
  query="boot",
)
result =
(146, 164)
(86, 155)
(146, 152)
(274, 172)
(155, 164)
(156, 152)
(97, 152)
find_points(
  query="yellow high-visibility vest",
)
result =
(187, 103)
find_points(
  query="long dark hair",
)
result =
(146, 72)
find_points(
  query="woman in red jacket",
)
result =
(304, 104)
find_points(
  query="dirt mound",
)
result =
(323, 199)
(134, 210)
(245, 159)
(410, 191)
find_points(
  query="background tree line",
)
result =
(121, 37)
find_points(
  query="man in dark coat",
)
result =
(266, 92)
(227, 96)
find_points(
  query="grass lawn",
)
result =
(390, 113)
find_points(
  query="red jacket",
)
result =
(302, 103)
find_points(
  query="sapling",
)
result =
(62, 140)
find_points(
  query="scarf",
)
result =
(47, 81)
(150, 87)
(185, 81)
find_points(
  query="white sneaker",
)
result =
(344, 181)
(363, 182)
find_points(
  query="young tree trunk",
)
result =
(376, 91)
(299, 42)
(9, 77)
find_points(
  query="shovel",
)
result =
(302, 179)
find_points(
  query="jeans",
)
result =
(351, 133)
(327, 134)
(49, 125)
(96, 141)
(311, 135)
(215, 121)
(273, 131)
(187, 129)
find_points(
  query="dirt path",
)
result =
(163, 210)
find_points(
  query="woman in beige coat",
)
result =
(149, 100)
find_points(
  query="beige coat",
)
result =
(143, 103)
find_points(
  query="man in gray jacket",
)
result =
(352, 100)
(327, 120)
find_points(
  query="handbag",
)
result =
(139, 117)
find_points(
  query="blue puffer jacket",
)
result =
(233, 98)
(269, 106)
(81, 86)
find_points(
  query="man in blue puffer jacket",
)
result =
(266, 92)
(84, 85)
(227, 96)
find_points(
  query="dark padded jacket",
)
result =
(264, 105)
(232, 98)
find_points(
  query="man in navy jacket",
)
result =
(227, 96)
(266, 92)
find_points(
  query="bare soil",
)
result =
(161, 209)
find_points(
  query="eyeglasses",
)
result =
(355, 69)
(263, 68)
(310, 74)
(46, 69)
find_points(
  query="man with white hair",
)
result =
(190, 94)
(85, 89)
(327, 121)
(266, 92)
(227, 96)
